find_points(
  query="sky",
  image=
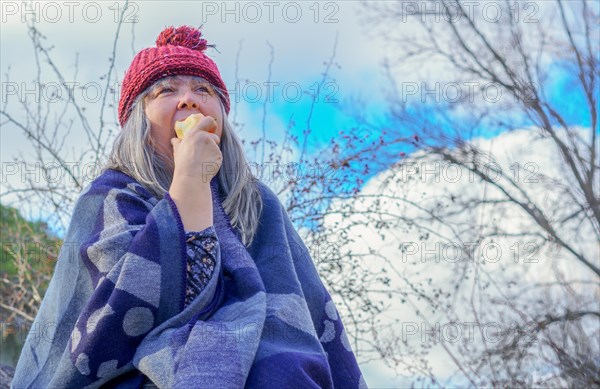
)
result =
(302, 39)
(287, 45)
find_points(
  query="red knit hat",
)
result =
(178, 51)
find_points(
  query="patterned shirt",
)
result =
(201, 249)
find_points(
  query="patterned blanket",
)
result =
(114, 311)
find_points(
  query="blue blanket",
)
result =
(114, 311)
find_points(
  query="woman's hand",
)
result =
(197, 156)
(197, 159)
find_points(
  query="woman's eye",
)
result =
(163, 90)
(203, 89)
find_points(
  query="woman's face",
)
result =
(175, 98)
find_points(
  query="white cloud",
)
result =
(433, 258)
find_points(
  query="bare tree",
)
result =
(548, 330)
(58, 168)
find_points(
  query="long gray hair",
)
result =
(134, 154)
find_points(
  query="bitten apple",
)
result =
(183, 126)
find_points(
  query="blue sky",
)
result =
(564, 91)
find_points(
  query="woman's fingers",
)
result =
(207, 124)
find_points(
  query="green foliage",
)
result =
(28, 255)
(25, 242)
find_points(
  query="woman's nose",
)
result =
(188, 100)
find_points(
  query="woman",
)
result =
(189, 272)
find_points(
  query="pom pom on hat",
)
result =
(178, 51)
(185, 36)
